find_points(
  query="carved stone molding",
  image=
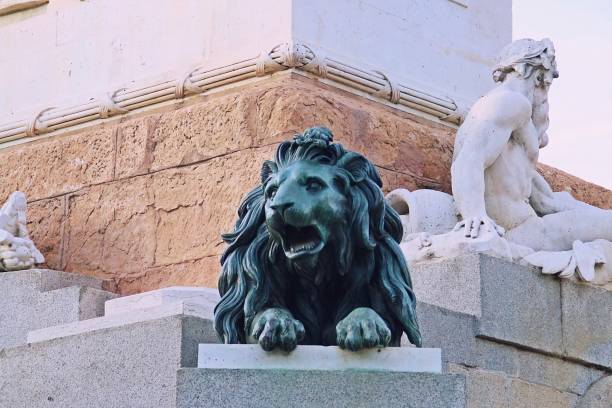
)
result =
(13, 6)
(201, 79)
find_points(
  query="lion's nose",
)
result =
(281, 207)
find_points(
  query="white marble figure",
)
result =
(497, 190)
(17, 251)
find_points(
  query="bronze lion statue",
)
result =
(314, 257)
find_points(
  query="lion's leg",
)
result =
(557, 232)
(362, 328)
(276, 328)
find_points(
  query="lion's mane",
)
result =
(252, 278)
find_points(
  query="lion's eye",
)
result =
(271, 192)
(314, 184)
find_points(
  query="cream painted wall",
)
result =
(437, 43)
(71, 50)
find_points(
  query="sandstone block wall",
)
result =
(141, 201)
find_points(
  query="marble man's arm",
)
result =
(544, 201)
(480, 142)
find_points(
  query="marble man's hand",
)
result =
(472, 226)
(276, 328)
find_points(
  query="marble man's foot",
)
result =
(586, 258)
(581, 259)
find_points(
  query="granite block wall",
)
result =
(141, 201)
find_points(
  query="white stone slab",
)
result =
(204, 298)
(252, 356)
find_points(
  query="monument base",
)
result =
(241, 388)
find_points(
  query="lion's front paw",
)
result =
(362, 328)
(277, 328)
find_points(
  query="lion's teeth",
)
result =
(303, 246)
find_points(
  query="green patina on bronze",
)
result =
(314, 257)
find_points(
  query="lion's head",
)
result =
(318, 239)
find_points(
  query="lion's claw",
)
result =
(276, 328)
(362, 328)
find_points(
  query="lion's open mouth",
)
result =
(300, 241)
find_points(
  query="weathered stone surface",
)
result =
(314, 389)
(400, 144)
(453, 332)
(55, 166)
(283, 111)
(484, 389)
(516, 304)
(392, 180)
(197, 204)
(587, 322)
(520, 305)
(166, 223)
(134, 146)
(453, 284)
(215, 126)
(39, 298)
(110, 230)
(393, 140)
(45, 223)
(526, 395)
(128, 366)
(598, 396)
(488, 389)
(554, 372)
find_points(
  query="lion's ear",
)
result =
(268, 169)
(355, 164)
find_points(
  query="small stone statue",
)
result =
(314, 257)
(17, 251)
(497, 189)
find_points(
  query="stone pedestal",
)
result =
(509, 337)
(238, 388)
(38, 298)
(319, 358)
(521, 338)
(128, 358)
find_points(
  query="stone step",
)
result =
(38, 298)
(270, 388)
(127, 364)
(207, 298)
(186, 301)
(515, 304)
(520, 338)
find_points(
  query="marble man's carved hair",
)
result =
(525, 57)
